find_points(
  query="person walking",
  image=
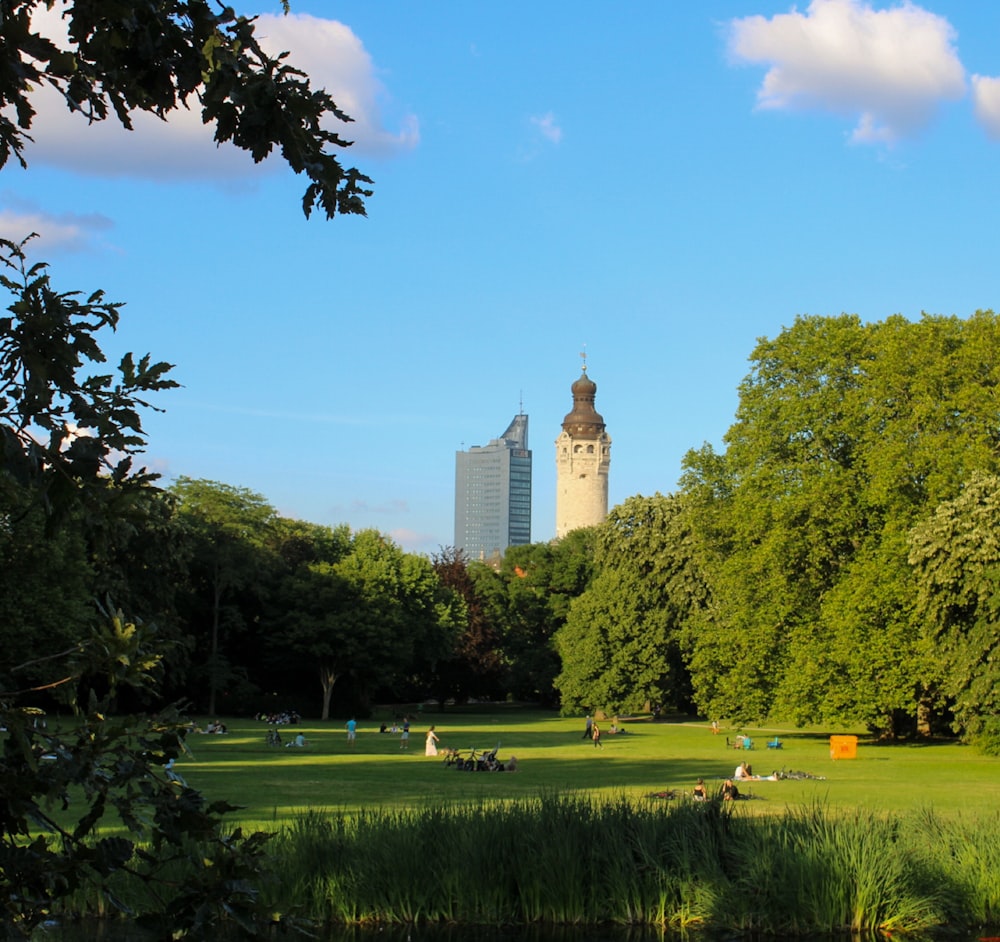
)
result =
(596, 736)
(404, 739)
(430, 746)
(588, 729)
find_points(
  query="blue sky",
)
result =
(659, 184)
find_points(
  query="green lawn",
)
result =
(273, 784)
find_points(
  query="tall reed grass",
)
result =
(563, 859)
(567, 860)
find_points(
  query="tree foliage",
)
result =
(542, 581)
(156, 56)
(228, 530)
(847, 435)
(474, 667)
(621, 646)
(71, 499)
(66, 429)
(956, 554)
(369, 614)
(121, 819)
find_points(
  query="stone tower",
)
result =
(583, 460)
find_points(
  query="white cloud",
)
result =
(548, 127)
(183, 148)
(57, 232)
(412, 541)
(986, 97)
(891, 68)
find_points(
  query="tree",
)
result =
(310, 630)
(621, 644)
(158, 55)
(475, 666)
(66, 434)
(846, 436)
(229, 529)
(69, 431)
(133, 825)
(141, 558)
(67, 443)
(46, 598)
(542, 579)
(434, 616)
(956, 555)
(373, 616)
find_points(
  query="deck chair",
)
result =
(774, 743)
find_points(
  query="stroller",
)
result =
(485, 761)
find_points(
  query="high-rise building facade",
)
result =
(493, 493)
(583, 462)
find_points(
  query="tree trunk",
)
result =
(327, 677)
(213, 661)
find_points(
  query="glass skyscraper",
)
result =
(493, 494)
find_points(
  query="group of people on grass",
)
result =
(403, 729)
(592, 731)
(729, 791)
(351, 726)
(283, 718)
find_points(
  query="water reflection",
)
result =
(117, 931)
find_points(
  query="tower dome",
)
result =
(584, 421)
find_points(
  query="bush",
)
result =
(987, 738)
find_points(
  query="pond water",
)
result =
(121, 932)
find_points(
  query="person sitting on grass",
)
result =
(700, 792)
(300, 741)
(729, 790)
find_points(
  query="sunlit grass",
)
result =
(275, 784)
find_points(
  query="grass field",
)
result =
(275, 784)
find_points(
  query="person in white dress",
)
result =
(431, 749)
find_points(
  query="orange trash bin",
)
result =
(843, 747)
